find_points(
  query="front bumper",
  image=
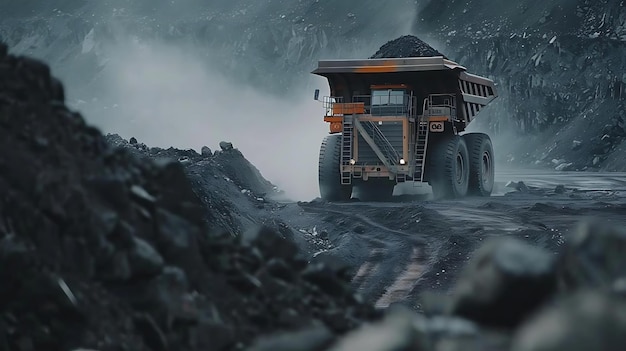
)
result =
(375, 171)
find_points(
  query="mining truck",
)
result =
(402, 120)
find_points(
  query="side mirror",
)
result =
(316, 97)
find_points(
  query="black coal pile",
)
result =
(406, 46)
(512, 296)
(228, 160)
(102, 249)
(230, 187)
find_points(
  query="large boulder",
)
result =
(504, 282)
(396, 332)
(594, 257)
(310, 339)
(584, 321)
(226, 146)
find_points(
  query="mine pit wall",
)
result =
(553, 89)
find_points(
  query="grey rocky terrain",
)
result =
(559, 65)
(110, 239)
(111, 245)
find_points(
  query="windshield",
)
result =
(388, 97)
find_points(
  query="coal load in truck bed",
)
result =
(406, 46)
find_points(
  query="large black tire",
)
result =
(449, 168)
(375, 190)
(330, 185)
(482, 168)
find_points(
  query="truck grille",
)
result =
(393, 133)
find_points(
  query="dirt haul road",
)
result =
(397, 250)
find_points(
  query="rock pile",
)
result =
(513, 296)
(102, 249)
(232, 189)
(612, 136)
(406, 46)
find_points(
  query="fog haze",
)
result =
(169, 95)
(189, 74)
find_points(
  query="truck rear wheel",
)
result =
(375, 189)
(449, 163)
(329, 174)
(481, 178)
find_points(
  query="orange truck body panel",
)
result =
(352, 108)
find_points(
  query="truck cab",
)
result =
(390, 100)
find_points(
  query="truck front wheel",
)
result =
(481, 178)
(329, 175)
(449, 168)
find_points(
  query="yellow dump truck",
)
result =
(402, 120)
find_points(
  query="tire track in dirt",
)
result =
(368, 268)
(408, 247)
(405, 282)
(395, 260)
(423, 249)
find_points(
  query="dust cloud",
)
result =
(168, 95)
(171, 93)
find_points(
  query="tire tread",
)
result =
(475, 142)
(329, 177)
(442, 162)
